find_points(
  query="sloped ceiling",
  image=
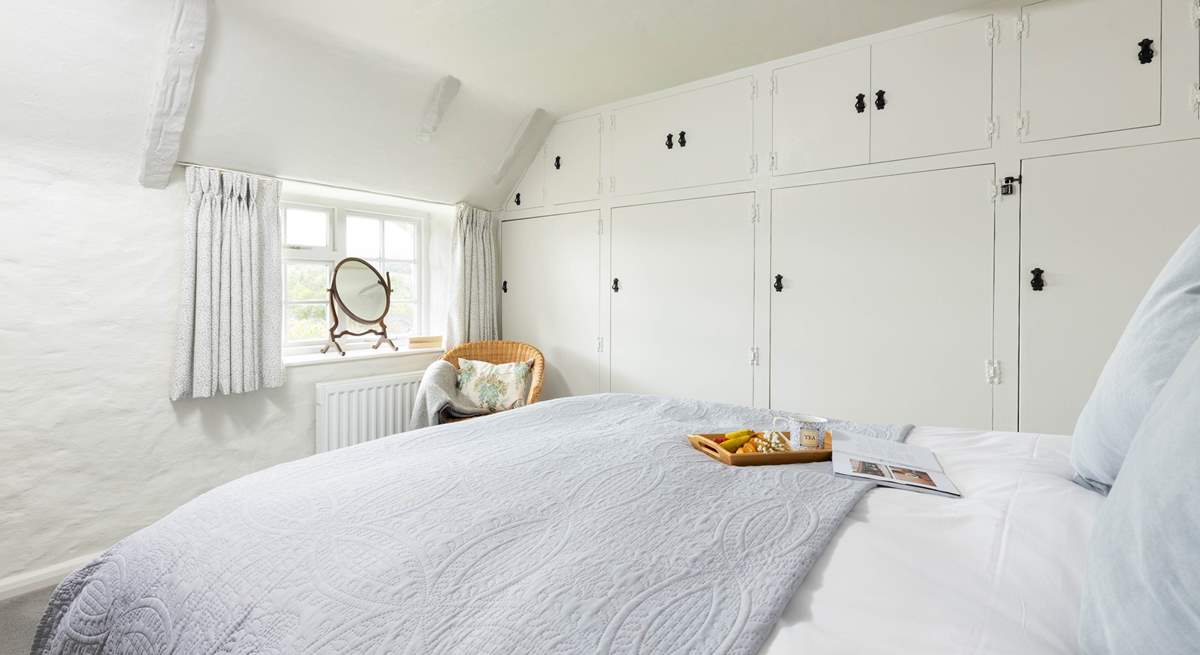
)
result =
(333, 91)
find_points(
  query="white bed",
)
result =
(998, 571)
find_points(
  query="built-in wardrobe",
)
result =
(945, 224)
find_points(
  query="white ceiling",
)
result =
(567, 55)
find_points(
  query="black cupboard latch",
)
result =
(778, 283)
(504, 286)
(1146, 54)
(670, 141)
(682, 139)
(1009, 186)
(518, 200)
(616, 286)
(557, 162)
(860, 104)
(1037, 283)
(880, 99)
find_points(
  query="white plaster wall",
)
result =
(91, 449)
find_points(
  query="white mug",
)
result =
(807, 431)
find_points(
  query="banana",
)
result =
(733, 444)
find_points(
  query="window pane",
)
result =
(398, 240)
(362, 237)
(307, 228)
(306, 322)
(401, 319)
(404, 282)
(307, 281)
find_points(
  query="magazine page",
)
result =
(890, 464)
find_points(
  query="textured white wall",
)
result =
(90, 447)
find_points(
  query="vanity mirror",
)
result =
(359, 299)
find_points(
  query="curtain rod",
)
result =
(313, 182)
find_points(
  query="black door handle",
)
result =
(504, 286)
(860, 104)
(1037, 283)
(557, 162)
(1146, 54)
(682, 139)
(518, 200)
(616, 285)
(670, 141)
(880, 100)
(778, 283)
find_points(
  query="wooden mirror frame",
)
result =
(335, 301)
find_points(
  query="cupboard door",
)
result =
(1100, 247)
(694, 138)
(683, 314)
(886, 309)
(816, 117)
(1080, 67)
(530, 190)
(551, 273)
(573, 161)
(937, 90)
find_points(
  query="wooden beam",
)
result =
(173, 97)
(528, 138)
(444, 93)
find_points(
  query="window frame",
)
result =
(339, 210)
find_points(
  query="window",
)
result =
(317, 235)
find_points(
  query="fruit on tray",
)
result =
(769, 442)
(731, 444)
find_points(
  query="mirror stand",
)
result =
(360, 296)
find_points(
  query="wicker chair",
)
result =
(503, 352)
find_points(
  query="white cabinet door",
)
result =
(1101, 226)
(937, 92)
(819, 113)
(1081, 70)
(886, 309)
(551, 273)
(573, 161)
(694, 138)
(529, 193)
(683, 314)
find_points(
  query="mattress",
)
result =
(999, 570)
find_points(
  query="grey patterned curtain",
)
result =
(474, 306)
(231, 305)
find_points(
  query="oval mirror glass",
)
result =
(360, 290)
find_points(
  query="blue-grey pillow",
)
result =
(1162, 329)
(1142, 590)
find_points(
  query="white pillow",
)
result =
(495, 387)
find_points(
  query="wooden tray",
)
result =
(705, 444)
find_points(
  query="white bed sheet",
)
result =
(998, 571)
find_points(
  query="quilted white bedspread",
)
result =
(584, 525)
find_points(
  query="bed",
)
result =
(369, 549)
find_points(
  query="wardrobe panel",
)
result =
(530, 191)
(885, 307)
(936, 91)
(683, 301)
(1083, 70)
(820, 116)
(551, 296)
(1099, 243)
(572, 161)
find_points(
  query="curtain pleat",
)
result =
(474, 285)
(231, 307)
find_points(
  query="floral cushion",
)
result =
(495, 387)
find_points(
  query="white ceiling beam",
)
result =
(443, 94)
(528, 138)
(173, 97)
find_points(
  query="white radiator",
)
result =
(355, 411)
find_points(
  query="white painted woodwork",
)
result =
(551, 266)
(682, 322)
(815, 124)
(575, 146)
(1101, 225)
(444, 93)
(719, 124)
(173, 95)
(1080, 72)
(886, 310)
(530, 191)
(938, 89)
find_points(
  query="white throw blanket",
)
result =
(438, 397)
(583, 525)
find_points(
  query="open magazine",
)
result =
(890, 464)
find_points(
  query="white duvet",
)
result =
(999, 571)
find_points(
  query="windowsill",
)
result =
(354, 355)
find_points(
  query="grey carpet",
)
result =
(19, 619)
